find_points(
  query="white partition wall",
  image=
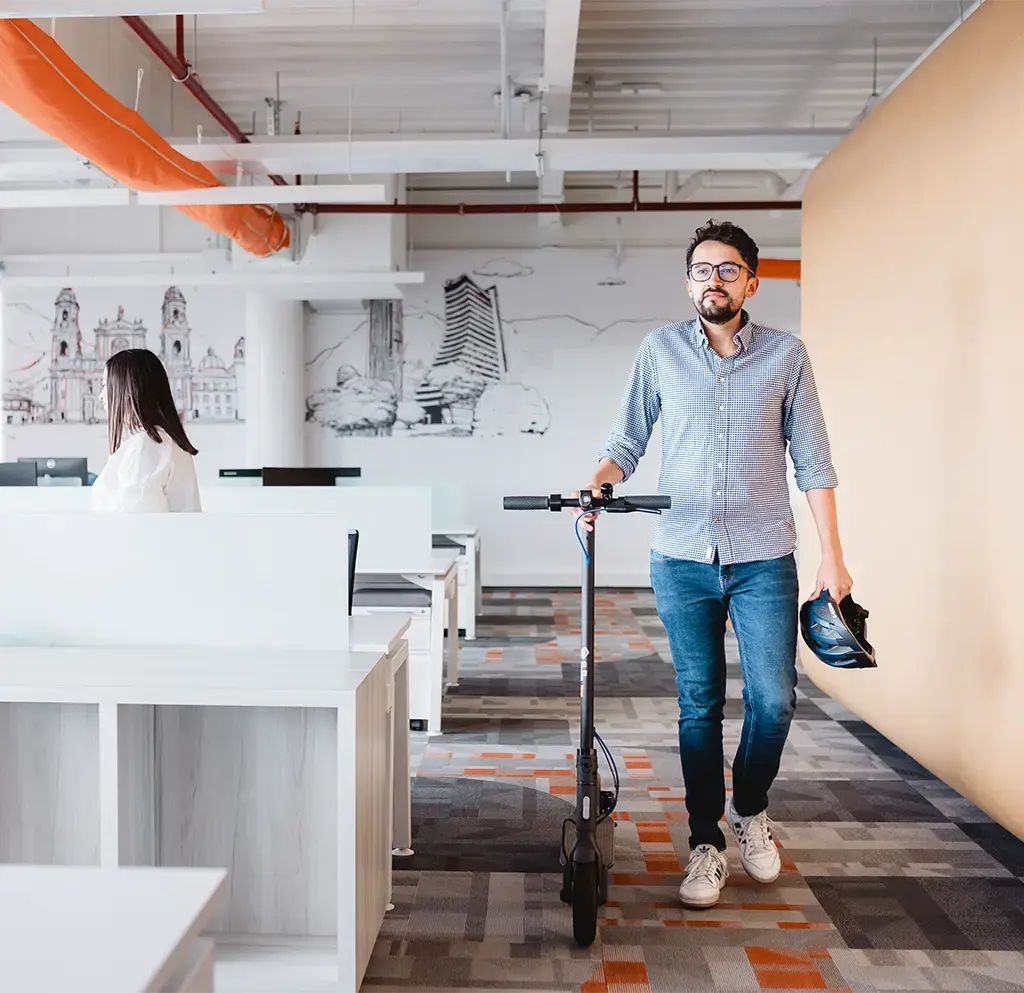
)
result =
(252, 788)
(394, 522)
(248, 581)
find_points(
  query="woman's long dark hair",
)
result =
(139, 398)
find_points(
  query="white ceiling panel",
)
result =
(411, 71)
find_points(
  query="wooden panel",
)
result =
(911, 249)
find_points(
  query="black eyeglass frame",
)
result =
(715, 267)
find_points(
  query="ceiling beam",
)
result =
(561, 31)
(116, 8)
(778, 151)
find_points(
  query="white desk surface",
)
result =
(463, 530)
(183, 676)
(439, 563)
(377, 632)
(88, 929)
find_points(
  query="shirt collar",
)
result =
(742, 337)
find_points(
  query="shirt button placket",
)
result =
(719, 448)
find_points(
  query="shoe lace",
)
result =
(704, 864)
(759, 829)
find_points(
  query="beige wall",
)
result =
(913, 266)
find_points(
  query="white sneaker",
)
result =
(706, 873)
(758, 853)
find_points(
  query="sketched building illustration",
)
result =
(76, 370)
(466, 389)
(214, 391)
(473, 345)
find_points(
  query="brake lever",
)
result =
(628, 508)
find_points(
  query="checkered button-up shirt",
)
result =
(725, 423)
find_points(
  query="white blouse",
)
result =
(147, 476)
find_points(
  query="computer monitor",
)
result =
(287, 476)
(307, 475)
(52, 471)
(17, 473)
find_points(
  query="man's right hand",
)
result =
(607, 472)
(588, 518)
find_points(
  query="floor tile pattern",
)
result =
(891, 881)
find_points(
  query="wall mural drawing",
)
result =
(465, 390)
(61, 381)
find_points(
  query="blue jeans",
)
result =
(693, 599)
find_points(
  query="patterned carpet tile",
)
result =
(925, 913)
(891, 880)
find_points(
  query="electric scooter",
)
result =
(588, 839)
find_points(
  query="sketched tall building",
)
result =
(472, 340)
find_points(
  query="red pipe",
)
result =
(182, 72)
(179, 36)
(637, 206)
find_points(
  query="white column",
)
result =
(275, 405)
(3, 373)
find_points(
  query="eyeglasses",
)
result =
(728, 272)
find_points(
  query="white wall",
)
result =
(572, 320)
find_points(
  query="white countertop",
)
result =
(377, 632)
(184, 676)
(87, 929)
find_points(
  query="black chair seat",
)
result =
(389, 591)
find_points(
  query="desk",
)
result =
(433, 655)
(388, 633)
(467, 538)
(273, 764)
(91, 930)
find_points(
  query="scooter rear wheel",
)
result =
(585, 901)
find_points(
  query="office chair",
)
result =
(353, 551)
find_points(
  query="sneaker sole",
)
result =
(695, 905)
(763, 880)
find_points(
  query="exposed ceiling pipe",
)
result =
(179, 37)
(635, 204)
(644, 207)
(506, 98)
(183, 73)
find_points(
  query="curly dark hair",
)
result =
(729, 234)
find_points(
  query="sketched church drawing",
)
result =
(214, 391)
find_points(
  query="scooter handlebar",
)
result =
(526, 503)
(622, 505)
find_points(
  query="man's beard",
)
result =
(717, 310)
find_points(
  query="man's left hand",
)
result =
(834, 577)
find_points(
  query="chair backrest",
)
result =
(353, 552)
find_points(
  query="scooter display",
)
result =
(588, 838)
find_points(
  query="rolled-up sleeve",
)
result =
(804, 426)
(638, 413)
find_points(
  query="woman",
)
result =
(150, 466)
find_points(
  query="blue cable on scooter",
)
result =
(579, 537)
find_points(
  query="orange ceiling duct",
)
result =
(39, 81)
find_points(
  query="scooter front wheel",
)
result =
(585, 902)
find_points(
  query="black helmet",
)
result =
(836, 632)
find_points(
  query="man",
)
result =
(730, 394)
